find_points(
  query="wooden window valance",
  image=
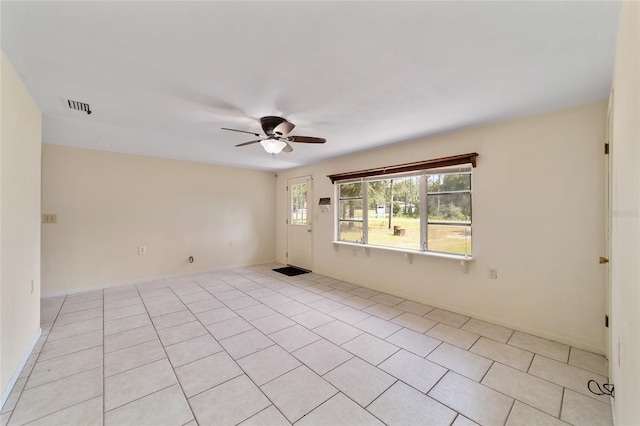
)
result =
(435, 163)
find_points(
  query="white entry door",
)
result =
(299, 231)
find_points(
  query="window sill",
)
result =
(462, 258)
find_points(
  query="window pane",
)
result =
(394, 224)
(351, 190)
(449, 182)
(299, 217)
(404, 233)
(350, 231)
(449, 207)
(351, 209)
(449, 238)
(299, 204)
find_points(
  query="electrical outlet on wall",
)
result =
(49, 218)
(493, 274)
(142, 250)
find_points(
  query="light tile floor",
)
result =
(250, 346)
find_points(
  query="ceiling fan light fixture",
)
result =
(276, 139)
(273, 146)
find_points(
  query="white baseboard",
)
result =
(14, 378)
(146, 280)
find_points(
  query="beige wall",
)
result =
(625, 255)
(19, 223)
(538, 202)
(108, 204)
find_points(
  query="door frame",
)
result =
(608, 220)
(290, 181)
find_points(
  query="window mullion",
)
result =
(423, 213)
(365, 212)
(336, 221)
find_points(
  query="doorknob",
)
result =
(603, 260)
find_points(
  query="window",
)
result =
(299, 204)
(449, 213)
(425, 210)
(350, 212)
(394, 212)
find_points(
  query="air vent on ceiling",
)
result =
(79, 106)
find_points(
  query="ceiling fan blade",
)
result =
(284, 128)
(242, 131)
(287, 148)
(305, 139)
(250, 142)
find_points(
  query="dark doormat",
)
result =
(291, 271)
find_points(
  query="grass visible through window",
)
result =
(442, 238)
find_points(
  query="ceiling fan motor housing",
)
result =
(272, 125)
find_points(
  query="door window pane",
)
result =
(299, 204)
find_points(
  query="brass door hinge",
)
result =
(603, 260)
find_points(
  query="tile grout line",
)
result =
(71, 375)
(241, 369)
(173, 370)
(235, 361)
(35, 361)
(301, 364)
(244, 290)
(510, 410)
(392, 355)
(383, 339)
(104, 356)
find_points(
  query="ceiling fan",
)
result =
(275, 139)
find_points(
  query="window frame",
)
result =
(440, 223)
(339, 220)
(462, 165)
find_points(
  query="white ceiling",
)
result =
(163, 77)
